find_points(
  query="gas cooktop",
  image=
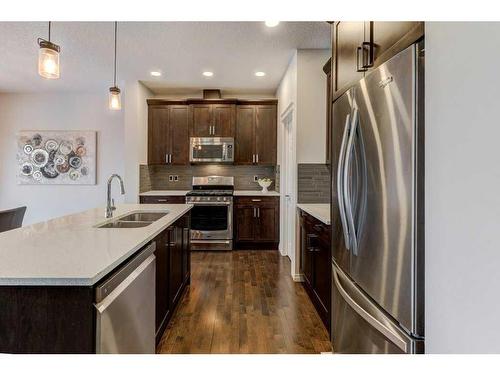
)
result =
(210, 192)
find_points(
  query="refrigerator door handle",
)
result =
(340, 193)
(347, 194)
(374, 322)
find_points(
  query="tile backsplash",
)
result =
(156, 177)
(314, 183)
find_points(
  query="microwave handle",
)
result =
(224, 151)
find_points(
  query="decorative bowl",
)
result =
(264, 184)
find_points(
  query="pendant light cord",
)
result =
(114, 79)
(49, 29)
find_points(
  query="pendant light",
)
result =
(48, 58)
(115, 102)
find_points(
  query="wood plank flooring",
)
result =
(244, 302)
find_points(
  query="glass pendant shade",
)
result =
(115, 101)
(48, 60)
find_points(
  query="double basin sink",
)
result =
(134, 220)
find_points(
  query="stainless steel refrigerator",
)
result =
(377, 210)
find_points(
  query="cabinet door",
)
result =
(179, 134)
(245, 223)
(224, 118)
(201, 115)
(158, 129)
(267, 223)
(265, 135)
(244, 138)
(162, 272)
(306, 254)
(323, 279)
(175, 276)
(386, 34)
(349, 36)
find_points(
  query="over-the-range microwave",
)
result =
(211, 150)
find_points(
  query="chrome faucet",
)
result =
(110, 203)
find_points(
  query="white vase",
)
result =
(265, 185)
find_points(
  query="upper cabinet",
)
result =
(256, 134)
(359, 47)
(252, 124)
(212, 120)
(168, 137)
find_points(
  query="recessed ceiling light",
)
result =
(208, 74)
(155, 73)
(272, 23)
(260, 74)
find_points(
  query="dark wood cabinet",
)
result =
(213, 120)
(256, 134)
(349, 36)
(168, 134)
(172, 270)
(265, 135)
(315, 264)
(256, 222)
(245, 130)
(163, 199)
(359, 47)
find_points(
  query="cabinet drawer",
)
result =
(172, 199)
(256, 200)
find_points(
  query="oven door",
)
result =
(212, 221)
(210, 150)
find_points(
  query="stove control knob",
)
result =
(197, 199)
(218, 198)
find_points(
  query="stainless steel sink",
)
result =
(143, 216)
(134, 220)
(126, 224)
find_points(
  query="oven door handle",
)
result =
(210, 203)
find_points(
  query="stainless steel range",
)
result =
(212, 214)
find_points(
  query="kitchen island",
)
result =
(49, 272)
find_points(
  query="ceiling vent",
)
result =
(212, 94)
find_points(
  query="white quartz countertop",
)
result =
(256, 193)
(153, 193)
(249, 193)
(320, 211)
(70, 250)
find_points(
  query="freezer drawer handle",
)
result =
(340, 193)
(384, 330)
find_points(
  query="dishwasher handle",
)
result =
(111, 283)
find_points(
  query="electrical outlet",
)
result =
(176, 178)
(170, 177)
(255, 178)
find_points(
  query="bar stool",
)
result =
(12, 219)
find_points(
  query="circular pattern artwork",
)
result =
(39, 157)
(56, 157)
(27, 169)
(28, 149)
(51, 145)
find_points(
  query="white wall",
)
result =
(311, 105)
(53, 112)
(462, 188)
(136, 136)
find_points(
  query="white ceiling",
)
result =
(181, 50)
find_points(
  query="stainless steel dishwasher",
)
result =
(125, 305)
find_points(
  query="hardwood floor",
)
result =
(244, 302)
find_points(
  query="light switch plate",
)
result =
(170, 177)
(176, 178)
(255, 178)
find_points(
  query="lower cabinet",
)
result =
(315, 264)
(256, 221)
(172, 270)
